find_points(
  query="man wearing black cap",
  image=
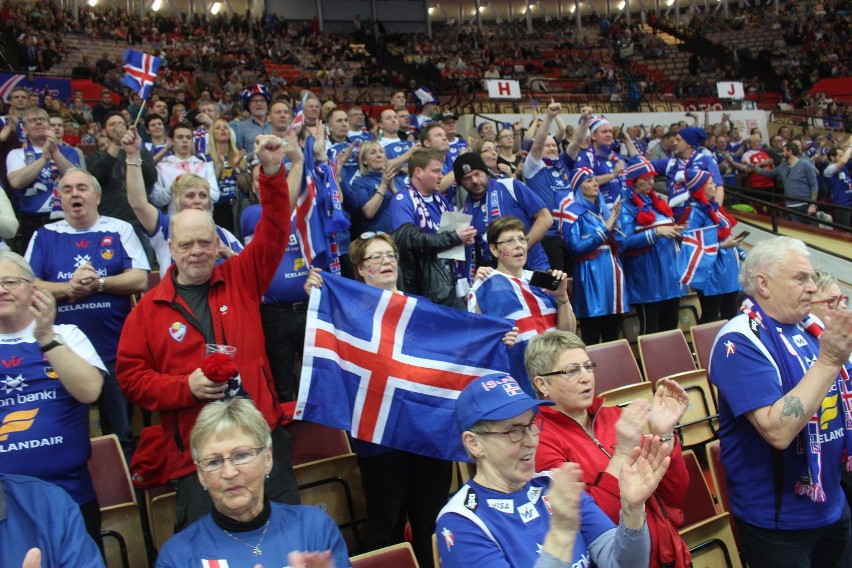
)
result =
(687, 156)
(488, 199)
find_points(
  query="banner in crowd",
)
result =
(389, 367)
(54, 86)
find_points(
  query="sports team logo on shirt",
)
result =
(50, 373)
(106, 241)
(730, 348)
(470, 500)
(449, 539)
(12, 384)
(19, 421)
(107, 254)
(178, 331)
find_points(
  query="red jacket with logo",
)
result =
(160, 345)
(563, 440)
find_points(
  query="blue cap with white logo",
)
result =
(493, 397)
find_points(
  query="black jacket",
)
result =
(423, 272)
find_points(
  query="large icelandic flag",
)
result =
(697, 254)
(140, 72)
(389, 367)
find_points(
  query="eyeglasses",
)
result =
(379, 257)
(833, 302)
(573, 372)
(371, 234)
(239, 457)
(516, 433)
(12, 283)
(512, 241)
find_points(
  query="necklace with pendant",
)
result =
(256, 550)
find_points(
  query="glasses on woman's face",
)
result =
(573, 371)
(832, 303)
(516, 433)
(379, 257)
(237, 458)
(12, 283)
(512, 241)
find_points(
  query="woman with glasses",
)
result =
(487, 150)
(578, 429)
(232, 450)
(828, 299)
(507, 292)
(507, 516)
(398, 485)
(375, 187)
(506, 153)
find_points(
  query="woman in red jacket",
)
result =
(578, 429)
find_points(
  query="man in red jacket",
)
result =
(197, 303)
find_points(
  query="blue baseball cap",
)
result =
(493, 397)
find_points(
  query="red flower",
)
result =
(219, 367)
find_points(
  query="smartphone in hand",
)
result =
(546, 280)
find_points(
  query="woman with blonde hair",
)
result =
(189, 191)
(375, 187)
(229, 164)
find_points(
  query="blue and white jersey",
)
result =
(678, 195)
(483, 527)
(840, 183)
(457, 146)
(350, 167)
(111, 247)
(395, 147)
(745, 369)
(547, 178)
(155, 149)
(42, 196)
(504, 198)
(51, 438)
(288, 284)
(160, 243)
(613, 190)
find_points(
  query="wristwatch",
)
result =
(56, 342)
(101, 282)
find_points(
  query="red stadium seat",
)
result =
(664, 353)
(396, 556)
(703, 336)
(616, 365)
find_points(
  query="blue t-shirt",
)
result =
(363, 188)
(457, 146)
(613, 190)
(547, 181)
(841, 187)
(50, 439)
(746, 372)
(38, 514)
(288, 284)
(290, 529)
(483, 527)
(111, 247)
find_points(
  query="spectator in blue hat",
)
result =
(507, 515)
(256, 100)
(687, 156)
